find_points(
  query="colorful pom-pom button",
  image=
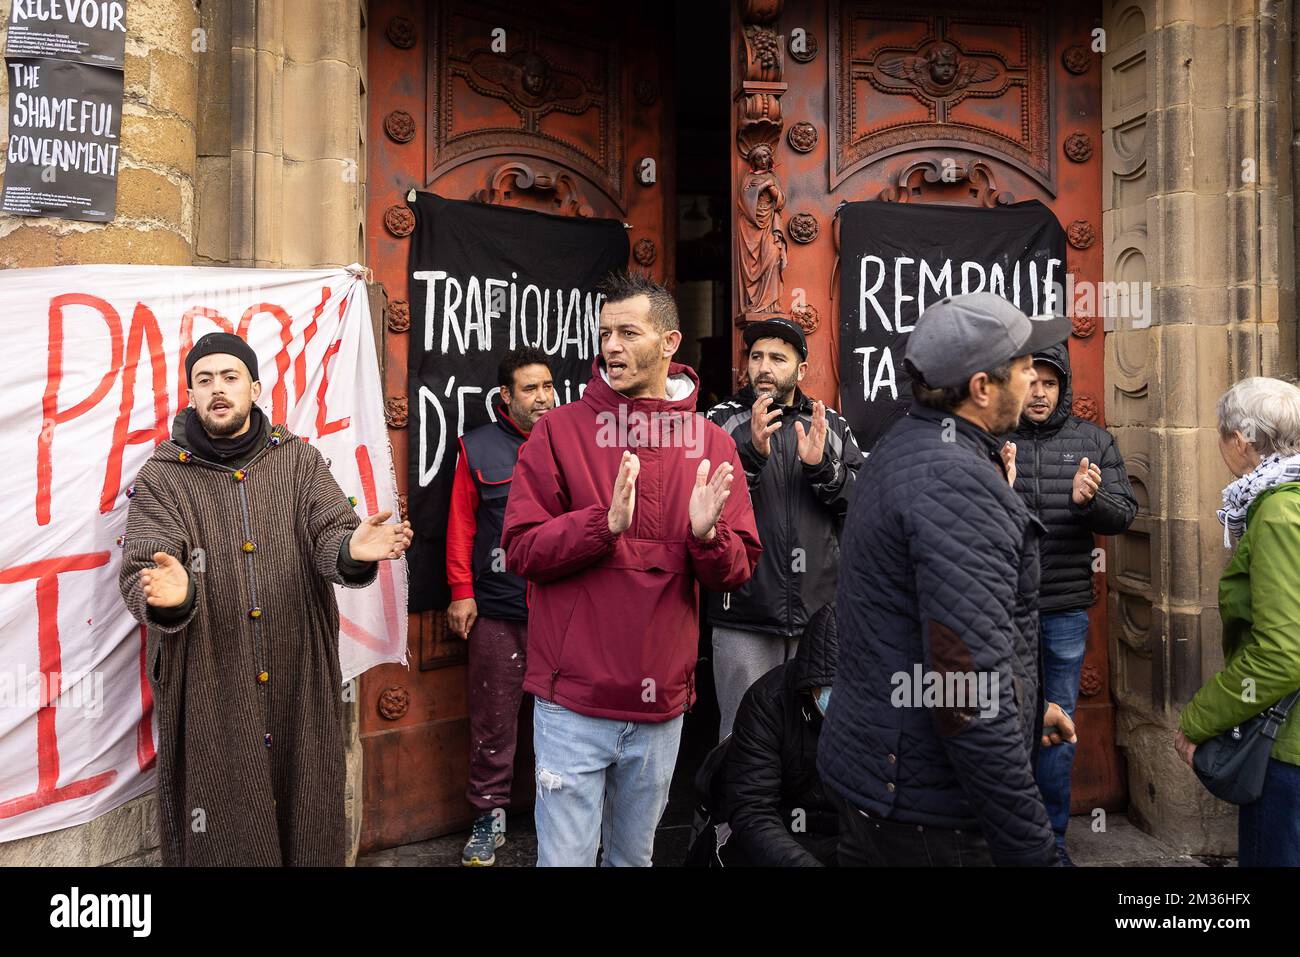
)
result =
(184, 456)
(275, 439)
(352, 500)
(130, 491)
(239, 475)
(250, 547)
(263, 677)
(121, 541)
(254, 613)
(267, 739)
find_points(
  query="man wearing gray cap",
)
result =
(930, 735)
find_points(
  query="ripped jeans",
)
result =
(600, 782)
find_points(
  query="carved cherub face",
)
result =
(943, 64)
(535, 71)
(760, 158)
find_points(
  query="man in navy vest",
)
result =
(487, 606)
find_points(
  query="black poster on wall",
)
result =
(65, 123)
(64, 64)
(85, 31)
(897, 258)
(484, 280)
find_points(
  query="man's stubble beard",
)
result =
(218, 431)
(523, 416)
(1008, 413)
(782, 392)
(647, 360)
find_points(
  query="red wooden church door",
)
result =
(927, 102)
(558, 107)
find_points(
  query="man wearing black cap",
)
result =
(930, 734)
(236, 534)
(1072, 477)
(800, 460)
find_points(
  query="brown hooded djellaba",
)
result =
(246, 686)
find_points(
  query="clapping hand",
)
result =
(763, 422)
(813, 443)
(708, 497)
(1087, 479)
(1009, 461)
(623, 502)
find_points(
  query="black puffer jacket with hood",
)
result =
(771, 780)
(1047, 457)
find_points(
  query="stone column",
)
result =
(283, 163)
(1197, 202)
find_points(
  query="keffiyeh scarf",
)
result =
(1272, 470)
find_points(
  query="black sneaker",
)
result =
(484, 839)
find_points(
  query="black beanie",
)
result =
(221, 343)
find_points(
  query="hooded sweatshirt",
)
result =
(613, 620)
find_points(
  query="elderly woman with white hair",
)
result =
(1259, 602)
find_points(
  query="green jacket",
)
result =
(1259, 601)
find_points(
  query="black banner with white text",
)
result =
(484, 280)
(898, 258)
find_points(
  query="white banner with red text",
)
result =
(94, 373)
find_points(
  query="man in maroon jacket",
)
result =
(615, 520)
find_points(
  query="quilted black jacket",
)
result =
(939, 574)
(796, 507)
(771, 768)
(1047, 456)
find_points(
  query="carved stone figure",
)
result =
(760, 241)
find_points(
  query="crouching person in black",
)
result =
(776, 807)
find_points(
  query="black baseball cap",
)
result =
(959, 336)
(778, 327)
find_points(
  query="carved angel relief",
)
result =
(981, 82)
(941, 72)
(526, 79)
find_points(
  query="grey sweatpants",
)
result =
(739, 659)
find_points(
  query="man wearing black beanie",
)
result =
(236, 534)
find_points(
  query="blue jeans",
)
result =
(1268, 831)
(599, 782)
(1064, 640)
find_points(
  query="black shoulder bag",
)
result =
(1232, 765)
